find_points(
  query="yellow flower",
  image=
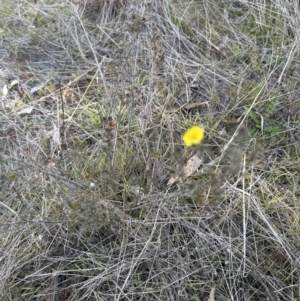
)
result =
(193, 136)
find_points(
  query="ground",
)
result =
(100, 199)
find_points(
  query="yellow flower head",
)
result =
(193, 136)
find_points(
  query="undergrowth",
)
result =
(96, 200)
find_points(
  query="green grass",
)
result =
(91, 132)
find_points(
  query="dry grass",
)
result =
(96, 96)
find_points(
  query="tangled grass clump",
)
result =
(99, 197)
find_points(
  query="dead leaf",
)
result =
(212, 295)
(69, 96)
(25, 111)
(55, 141)
(193, 105)
(37, 88)
(13, 83)
(5, 90)
(172, 180)
(190, 167)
